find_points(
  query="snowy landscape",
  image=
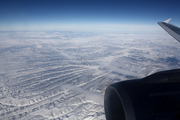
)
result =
(63, 75)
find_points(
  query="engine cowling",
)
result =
(156, 97)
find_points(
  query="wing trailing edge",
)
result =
(173, 30)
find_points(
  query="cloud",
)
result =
(90, 95)
(112, 67)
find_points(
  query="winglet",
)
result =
(167, 21)
(173, 30)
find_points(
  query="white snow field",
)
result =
(63, 75)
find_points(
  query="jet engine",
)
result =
(155, 97)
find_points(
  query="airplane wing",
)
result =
(173, 30)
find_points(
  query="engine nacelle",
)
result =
(156, 97)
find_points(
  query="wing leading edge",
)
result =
(173, 30)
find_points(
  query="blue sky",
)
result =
(24, 15)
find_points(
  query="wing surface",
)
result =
(173, 30)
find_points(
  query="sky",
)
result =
(43, 15)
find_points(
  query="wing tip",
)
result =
(167, 21)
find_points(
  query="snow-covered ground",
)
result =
(63, 75)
